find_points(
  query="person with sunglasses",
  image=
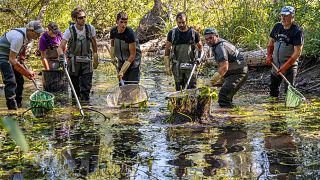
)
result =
(12, 55)
(81, 54)
(284, 49)
(126, 48)
(232, 69)
(183, 49)
(48, 45)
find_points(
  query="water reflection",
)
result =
(229, 141)
(83, 141)
(281, 151)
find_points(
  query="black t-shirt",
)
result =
(128, 35)
(183, 37)
(293, 35)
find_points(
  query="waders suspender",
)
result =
(174, 41)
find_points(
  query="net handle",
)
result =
(275, 67)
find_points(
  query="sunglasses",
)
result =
(81, 17)
(209, 38)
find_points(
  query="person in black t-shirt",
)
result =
(125, 47)
(284, 49)
(180, 52)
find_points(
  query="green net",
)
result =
(41, 102)
(293, 98)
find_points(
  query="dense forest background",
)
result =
(243, 22)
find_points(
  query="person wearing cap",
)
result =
(231, 67)
(12, 55)
(81, 53)
(126, 48)
(284, 49)
(183, 50)
(48, 45)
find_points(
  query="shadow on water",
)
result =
(256, 140)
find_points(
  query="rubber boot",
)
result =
(12, 104)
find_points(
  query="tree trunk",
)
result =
(152, 23)
(189, 107)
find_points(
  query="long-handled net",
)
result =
(130, 94)
(293, 97)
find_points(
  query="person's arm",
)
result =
(95, 53)
(19, 67)
(126, 64)
(270, 49)
(61, 48)
(44, 60)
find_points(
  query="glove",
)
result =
(95, 61)
(62, 59)
(269, 55)
(113, 57)
(198, 61)
(215, 78)
(22, 70)
(123, 69)
(167, 65)
(286, 65)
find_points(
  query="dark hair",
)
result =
(181, 15)
(75, 12)
(122, 15)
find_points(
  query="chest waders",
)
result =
(183, 60)
(236, 75)
(12, 80)
(122, 52)
(281, 53)
(80, 62)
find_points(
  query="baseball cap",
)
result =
(286, 10)
(53, 27)
(36, 26)
(210, 30)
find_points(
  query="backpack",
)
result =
(73, 39)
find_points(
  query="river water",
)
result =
(258, 139)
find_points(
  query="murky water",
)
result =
(257, 140)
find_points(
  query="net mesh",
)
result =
(41, 102)
(126, 95)
(293, 97)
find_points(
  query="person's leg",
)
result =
(230, 87)
(275, 85)
(85, 86)
(10, 85)
(20, 82)
(291, 76)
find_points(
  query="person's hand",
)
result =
(215, 78)
(167, 65)
(95, 61)
(286, 65)
(198, 61)
(62, 59)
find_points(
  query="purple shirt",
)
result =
(46, 41)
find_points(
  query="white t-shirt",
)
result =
(67, 34)
(16, 40)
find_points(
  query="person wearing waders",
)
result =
(126, 48)
(232, 68)
(12, 55)
(183, 49)
(48, 45)
(284, 49)
(81, 54)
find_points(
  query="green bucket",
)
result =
(41, 103)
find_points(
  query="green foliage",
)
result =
(242, 22)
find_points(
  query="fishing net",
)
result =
(127, 95)
(41, 102)
(293, 97)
